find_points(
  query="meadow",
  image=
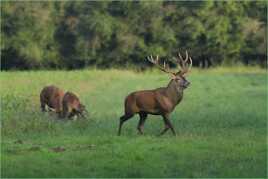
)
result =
(221, 125)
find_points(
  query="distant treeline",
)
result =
(71, 35)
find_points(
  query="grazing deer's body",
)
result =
(160, 101)
(72, 106)
(51, 96)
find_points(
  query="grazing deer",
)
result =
(51, 96)
(160, 101)
(72, 106)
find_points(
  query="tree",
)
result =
(77, 34)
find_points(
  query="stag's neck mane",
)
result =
(173, 93)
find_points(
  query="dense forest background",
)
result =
(71, 35)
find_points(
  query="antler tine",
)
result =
(186, 58)
(150, 58)
(155, 61)
(181, 61)
(189, 66)
(179, 54)
(191, 63)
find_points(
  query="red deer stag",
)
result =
(160, 101)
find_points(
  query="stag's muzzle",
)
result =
(186, 84)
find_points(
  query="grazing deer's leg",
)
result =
(64, 111)
(50, 109)
(63, 114)
(60, 114)
(43, 107)
(143, 117)
(71, 114)
(122, 120)
(42, 103)
(58, 111)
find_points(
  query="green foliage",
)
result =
(221, 125)
(115, 33)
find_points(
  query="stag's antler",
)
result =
(163, 68)
(183, 63)
(185, 67)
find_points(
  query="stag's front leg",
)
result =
(165, 129)
(168, 125)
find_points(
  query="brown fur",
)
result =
(51, 96)
(72, 106)
(160, 101)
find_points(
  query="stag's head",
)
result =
(178, 76)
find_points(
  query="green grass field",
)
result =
(221, 126)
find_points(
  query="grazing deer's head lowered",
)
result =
(71, 106)
(160, 101)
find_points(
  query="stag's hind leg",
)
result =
(143, 117)
(122, 120)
